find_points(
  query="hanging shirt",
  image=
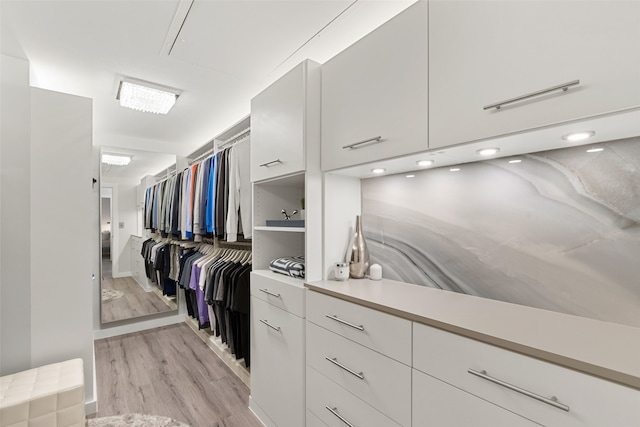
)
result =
(239, 191)
(211, 197)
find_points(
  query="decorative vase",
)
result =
(359, 262)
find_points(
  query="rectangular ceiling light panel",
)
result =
(145, 97)
(112, 159)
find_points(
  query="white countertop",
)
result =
(603, 349)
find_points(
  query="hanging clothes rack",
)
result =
(236, 138)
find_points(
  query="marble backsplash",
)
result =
(559, 230)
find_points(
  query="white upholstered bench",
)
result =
(48, 396)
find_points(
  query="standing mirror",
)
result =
(128, 289)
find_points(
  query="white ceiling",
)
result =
(220, 53)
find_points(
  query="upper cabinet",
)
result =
(484, 53)
(374, 94)
(283, 118)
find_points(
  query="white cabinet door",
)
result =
(377, 88)
(484, 52)
(278, 123)
(277, 366)
(439, 404)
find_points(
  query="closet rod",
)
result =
(201, 156)
(235, 138)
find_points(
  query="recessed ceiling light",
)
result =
(145, 96)
(578, 136)
(594, 150)
(424, 163)
(454, 169)
(112, 159)
(378, 170)
(410, 176)
(515, 161)
(488, 151)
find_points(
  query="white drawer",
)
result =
(382, 332)
(436, 403)
(277, 363)
(591, 401)
(380, 381)
(322, 393)
(279, 290)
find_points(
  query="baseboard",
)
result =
(121, 275)
(137, 326)
(260, 414)
(91, 407)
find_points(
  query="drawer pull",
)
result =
(271, 163)
(334, 360)
(275, 328)
(357, 144)
(564, 87)
(266, 291)
(344, 322)
(334, 411)
(553, 401)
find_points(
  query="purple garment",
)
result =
(203, 312)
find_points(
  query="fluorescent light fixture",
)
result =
(147, 97)
(114, 160)
(454, 169)
(410, 176)
(378, 170)
(594, 150)
(488, 151)
(578, 136)
(515, 161)
(424, 163)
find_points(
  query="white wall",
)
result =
(61, 230)
(15, 225)
(62, 237)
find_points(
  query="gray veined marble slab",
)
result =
(559, 231)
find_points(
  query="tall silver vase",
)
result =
(359, 262)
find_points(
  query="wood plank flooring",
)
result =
(135, 302)
(169, 371)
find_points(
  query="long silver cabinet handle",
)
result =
(344, 322)
(334, 360)
(271, 162)
(553, 401)
(564, 87)
(334, 411)
(357, 144)
(268, 292)
(275, 328)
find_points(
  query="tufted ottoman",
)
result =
(48, 396)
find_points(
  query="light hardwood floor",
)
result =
(135, 301)
(169, 371)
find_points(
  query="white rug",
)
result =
(109, 295)
(135, 420)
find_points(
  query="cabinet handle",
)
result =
(564, 87)
(334, 411)
(344, 322)
(271, 162)
(356, 144)
(275, 328)
(340, 365)
(266, 291)
(553, 401)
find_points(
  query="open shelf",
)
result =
(289, 229)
